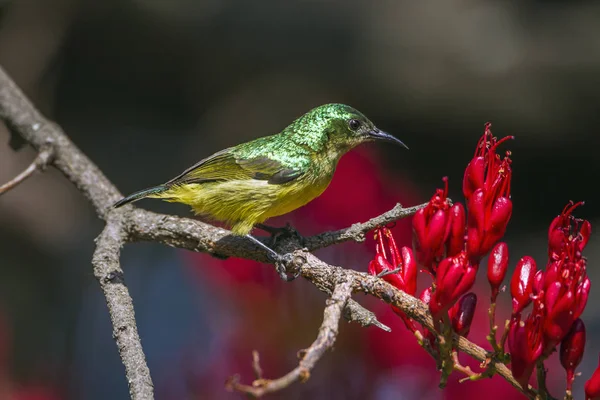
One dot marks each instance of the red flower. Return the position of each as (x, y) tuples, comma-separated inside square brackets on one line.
[(497, 265), (525, 341), (521, 284), (486, 187), (438, 230), (592, 386), (455, 276), (455, 242), (566, 283), (560, 303), (406, 278), (564, 229), (461, 314), (571, 350)]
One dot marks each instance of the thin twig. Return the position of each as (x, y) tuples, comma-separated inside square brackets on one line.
[(543, 393), (388, 272), (258, 372), (357, 232), (39, 164), (18, 112), (309, 357), (541, 380), (461, 368)]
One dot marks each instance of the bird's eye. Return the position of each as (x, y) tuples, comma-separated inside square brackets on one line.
[(354, 124)]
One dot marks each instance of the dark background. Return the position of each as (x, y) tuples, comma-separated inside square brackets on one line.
[(147, 87)]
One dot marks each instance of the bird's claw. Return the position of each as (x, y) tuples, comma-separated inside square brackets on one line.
[(282, 262), (279, 232)]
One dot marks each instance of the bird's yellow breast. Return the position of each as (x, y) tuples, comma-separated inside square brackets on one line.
[(245, 203)]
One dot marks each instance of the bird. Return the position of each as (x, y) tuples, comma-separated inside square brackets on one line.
[(247, 184)]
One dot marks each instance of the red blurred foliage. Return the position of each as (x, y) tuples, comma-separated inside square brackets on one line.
[(11, 390)]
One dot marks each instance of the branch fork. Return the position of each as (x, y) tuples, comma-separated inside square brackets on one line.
[(130, 224)]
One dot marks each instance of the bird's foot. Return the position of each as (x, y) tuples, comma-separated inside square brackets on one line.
[(280, 232), (282, 262)]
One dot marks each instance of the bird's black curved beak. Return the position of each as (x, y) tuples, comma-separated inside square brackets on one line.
[(377, 134)]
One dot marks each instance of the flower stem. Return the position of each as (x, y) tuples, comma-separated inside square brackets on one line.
[(445, 350), (493, 327), (542, 392)]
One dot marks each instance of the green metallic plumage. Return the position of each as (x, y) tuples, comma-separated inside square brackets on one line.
[(269, 176)]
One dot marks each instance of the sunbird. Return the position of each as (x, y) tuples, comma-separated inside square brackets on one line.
[(244, 185)]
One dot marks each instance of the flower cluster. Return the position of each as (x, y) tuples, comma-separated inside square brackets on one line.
[(449, 243), (486, 187), (559, 295)]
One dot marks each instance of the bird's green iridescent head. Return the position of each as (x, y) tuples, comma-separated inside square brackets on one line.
[(337, 127)]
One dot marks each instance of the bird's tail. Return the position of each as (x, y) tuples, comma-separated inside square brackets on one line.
[(140, 195)]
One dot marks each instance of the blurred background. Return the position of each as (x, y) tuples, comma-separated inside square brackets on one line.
[(148, 87)]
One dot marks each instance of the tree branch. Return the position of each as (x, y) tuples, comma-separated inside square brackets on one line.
[(357, 232), (198, 236), (18, 113), (309, 357), (22, 117), (130, 224), (39, 164), (109, 274)]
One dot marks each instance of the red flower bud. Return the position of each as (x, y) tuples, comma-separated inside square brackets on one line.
[(457, 223), (461, 314), (486, 223), (474, 176), (581, 297), (525, 342), (571, 350), (455, 276), (476, 223), (496, 223), (564, 229), (552, 273), (406, 278), (538, 282), (431, 229), (497, 265), (521, 284), (409, 270), (559, 302), (585, 232), (592, 386)]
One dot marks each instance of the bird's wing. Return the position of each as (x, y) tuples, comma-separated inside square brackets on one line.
[(226, 166)]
